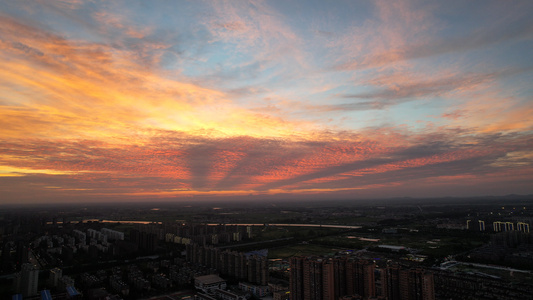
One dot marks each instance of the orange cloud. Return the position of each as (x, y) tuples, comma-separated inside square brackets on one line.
[(79, 86)]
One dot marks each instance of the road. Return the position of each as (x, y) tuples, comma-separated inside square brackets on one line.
[(295, 225)]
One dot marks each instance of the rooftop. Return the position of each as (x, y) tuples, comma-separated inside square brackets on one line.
[(208, 279)]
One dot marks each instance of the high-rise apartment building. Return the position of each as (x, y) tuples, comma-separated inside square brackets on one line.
[(55, 276), (251, 268), (407, 284), (331, 278), (360, 279), (390, 282), (314, 281), (296, 282), (26, 280), (258, 270), (475, 225)]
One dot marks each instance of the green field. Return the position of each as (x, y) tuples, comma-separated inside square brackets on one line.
[(495, 271), (301, 250)]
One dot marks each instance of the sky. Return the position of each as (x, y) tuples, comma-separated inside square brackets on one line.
[(189, 100)]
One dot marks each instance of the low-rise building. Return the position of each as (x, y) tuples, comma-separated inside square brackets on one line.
[(257, 290), (204, 297), (227, 295), (281, 295), (208, 283)]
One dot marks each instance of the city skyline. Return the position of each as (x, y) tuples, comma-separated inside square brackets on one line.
[(128, 101)]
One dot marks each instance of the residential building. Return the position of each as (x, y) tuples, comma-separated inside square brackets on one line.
[(208, 283)]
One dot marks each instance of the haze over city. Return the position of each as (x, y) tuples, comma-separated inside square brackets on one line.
[(170, 100)]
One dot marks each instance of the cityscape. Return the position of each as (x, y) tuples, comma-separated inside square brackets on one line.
[(379, 249), (266, 149)]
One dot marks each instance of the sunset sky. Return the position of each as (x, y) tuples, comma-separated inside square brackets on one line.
[(172, 100)]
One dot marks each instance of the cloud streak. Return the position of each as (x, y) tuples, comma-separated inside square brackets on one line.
[(521, 29)]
